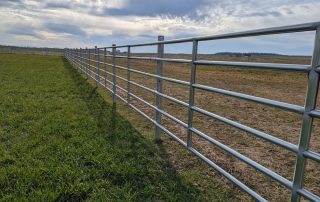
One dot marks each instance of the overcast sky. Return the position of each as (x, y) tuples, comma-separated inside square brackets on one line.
[(80, 23)]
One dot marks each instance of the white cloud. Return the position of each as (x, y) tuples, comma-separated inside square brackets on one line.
[(211, 17)]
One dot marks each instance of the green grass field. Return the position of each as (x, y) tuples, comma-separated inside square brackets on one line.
[(60, 141)]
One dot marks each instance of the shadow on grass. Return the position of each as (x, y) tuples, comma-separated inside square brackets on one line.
[(138, 169)]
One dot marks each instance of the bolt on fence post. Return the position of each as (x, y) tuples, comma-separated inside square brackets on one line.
[(191, 91), (128, 74), (97, 66), (159, 87), (105, 61), (114, 74), (306, 128)]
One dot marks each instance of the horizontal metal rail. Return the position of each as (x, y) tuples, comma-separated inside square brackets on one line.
[(155, 76), (91, 61), (162, 59), (308, 195), (247, 129), (315, 113), (312, 155), (269, 102), (228, 175), (274, 66), (245, 159)]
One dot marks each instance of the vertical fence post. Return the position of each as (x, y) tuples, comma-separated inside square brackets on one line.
[(71, 56), (128, 74), (306, 128), (89, 72), (87, 62), (81, 60), (78, 59), (114, 89), (97, 66), (105, 66), (74, 58), (159, 87), (191, 91)]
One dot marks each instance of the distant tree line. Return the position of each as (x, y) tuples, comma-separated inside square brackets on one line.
[(250, 54), (19, 49)]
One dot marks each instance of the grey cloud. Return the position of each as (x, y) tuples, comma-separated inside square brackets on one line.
[(21, 29), (65, 4), (11, 3), (123, 34), (155, 8), (151, 36), (119, 34), (65, 28), (266, 13)]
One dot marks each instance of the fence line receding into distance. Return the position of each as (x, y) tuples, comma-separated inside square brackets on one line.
[(83, 58)]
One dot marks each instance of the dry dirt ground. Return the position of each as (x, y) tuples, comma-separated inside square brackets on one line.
[(278, 85)]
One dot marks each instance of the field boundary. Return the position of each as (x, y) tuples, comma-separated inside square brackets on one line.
[(87, 59)]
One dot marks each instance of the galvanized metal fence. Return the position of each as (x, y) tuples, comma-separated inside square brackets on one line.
[(83, 59)]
